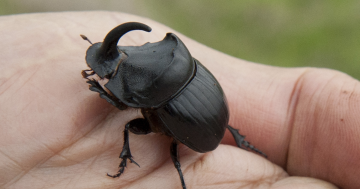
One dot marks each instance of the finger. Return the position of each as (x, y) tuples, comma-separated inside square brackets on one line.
[(225, 167), (302, 183), (325, 129), (304, 119)]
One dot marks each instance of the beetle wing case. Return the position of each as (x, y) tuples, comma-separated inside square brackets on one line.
[(198, 116), (152, 73)]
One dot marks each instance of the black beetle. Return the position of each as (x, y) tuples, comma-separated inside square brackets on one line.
[(177, 95)]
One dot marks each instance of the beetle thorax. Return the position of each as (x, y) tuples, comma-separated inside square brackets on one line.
[(152, 73)]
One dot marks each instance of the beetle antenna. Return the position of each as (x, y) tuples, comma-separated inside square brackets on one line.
[(85, 38), (109, 46)]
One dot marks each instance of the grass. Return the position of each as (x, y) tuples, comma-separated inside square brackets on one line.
[(279, 33), (323, 33)]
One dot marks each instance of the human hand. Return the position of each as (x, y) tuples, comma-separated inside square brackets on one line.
[(55, 133)]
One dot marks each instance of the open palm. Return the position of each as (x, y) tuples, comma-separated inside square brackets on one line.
[(55, 133)]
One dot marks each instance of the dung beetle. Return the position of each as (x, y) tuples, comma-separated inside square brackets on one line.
[(177, 95)]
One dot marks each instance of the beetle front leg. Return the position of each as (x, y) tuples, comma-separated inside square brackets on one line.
[(125, 153), (85, 73), (174, 156), (241, 142), (96, 87)]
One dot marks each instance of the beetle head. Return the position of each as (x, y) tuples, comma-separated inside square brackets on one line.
[(103, 57)]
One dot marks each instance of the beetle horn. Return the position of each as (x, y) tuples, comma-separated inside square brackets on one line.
[(108, 48)]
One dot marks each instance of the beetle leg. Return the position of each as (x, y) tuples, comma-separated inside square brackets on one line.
[(140, 126), (241, 142), (96, 87), (125, 153), (86, 75), (174, 156)]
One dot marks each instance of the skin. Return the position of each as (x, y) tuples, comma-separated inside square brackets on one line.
[(55, 133)]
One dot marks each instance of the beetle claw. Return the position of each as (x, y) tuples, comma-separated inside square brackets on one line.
[(113, 176), (121, 170), (134, 162), (122, 166), (86, 75)]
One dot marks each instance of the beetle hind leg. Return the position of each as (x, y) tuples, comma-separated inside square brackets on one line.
[(242, 143), (174, 156)]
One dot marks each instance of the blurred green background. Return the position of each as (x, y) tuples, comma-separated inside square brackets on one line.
[(321, 33)]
